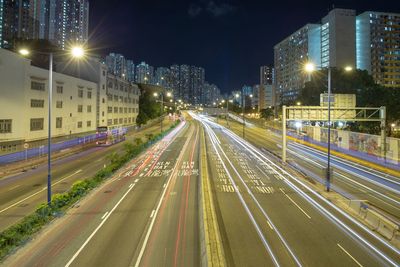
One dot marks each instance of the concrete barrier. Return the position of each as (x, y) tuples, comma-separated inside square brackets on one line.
[(373, 219), (387, 228), (212, 253)]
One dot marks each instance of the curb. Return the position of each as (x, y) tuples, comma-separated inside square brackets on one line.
[(212, 252)]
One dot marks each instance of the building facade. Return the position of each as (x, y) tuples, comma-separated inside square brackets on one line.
[(24, 101), (378, 46), (338, 35), (63, 22), (290, 56), (144, 73), (117, 65), (69, 22)]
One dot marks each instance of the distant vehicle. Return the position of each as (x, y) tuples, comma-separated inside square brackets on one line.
[(107, 137)]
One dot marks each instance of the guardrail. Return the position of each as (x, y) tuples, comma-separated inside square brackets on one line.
[(42, 150)]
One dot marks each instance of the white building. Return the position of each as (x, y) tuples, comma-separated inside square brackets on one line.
[(90, 97), (117, 98), (24, 102)]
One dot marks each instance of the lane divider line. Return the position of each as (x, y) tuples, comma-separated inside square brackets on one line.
[(345, 251), (38, 192)]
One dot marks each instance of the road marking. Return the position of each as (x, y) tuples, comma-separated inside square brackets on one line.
[(152, 213), (345, 251), (305, 213), (38, 192), (270, 226), (137, 180), (146, 239), (97, 229), (164, 185), (141, 174), (105, 214), (130, 185), (14, 187)]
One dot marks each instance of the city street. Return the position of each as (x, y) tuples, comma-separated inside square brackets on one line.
[(352, 180), (21, 193)]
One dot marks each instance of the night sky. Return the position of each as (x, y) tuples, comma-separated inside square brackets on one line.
[(230, 39)]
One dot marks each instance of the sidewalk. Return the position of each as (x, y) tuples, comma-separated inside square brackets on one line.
[(33, 163)]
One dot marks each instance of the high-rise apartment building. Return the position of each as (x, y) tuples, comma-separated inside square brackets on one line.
[(184, 83), (117, 65), (162, 77), (211, 94), (338, 32), (63, 22), (1, 22), (266, 74), (290, 55), (130, 70), (173, 80), (144, 73), (378, 46), (19, 20), (197, 77), (69, 22)]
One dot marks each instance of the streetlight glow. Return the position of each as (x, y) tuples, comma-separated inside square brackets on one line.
[(298, 103), (237, 95), (309, 67), (155, 94), (169, 94), (348, 68), (77, 52), (24, 51)]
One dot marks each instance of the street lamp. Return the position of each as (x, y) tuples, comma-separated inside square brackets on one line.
[(243, 109), (155, 94), (310, 67), (76, 52)]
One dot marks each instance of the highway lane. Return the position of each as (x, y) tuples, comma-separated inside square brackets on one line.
[(307, 233), (349, 179), (147, 208), (20, 194)]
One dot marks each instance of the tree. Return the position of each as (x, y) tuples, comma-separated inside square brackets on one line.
[(148, 108), (267, 113)]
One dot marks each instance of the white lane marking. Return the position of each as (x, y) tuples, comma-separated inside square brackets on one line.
[(355, 182), (328, 214), (270, 226), (97, 229), (130, 185), (137, 180), (141, 174), (146, 239), (105, 214), (211, 134), (345, 251), (152, 213), (164, 185), (14, 187), (38, 192), (305, 213)]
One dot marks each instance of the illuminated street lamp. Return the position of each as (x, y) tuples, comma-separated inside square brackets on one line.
[(76, 52), (155, 94), (310, 67)]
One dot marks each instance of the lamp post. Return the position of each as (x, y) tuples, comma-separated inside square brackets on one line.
[(162, 107), (309, 67), (76, 52), (243, 110)]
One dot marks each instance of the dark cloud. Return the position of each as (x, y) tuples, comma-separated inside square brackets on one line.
[(218, 10), (194, 10), (212, 8)]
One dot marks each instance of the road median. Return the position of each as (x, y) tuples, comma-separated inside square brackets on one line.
[(212, 252)]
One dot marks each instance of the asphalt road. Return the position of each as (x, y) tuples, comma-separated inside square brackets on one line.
[(267, 217), (20, 194), (146, 215), (351, 180)]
